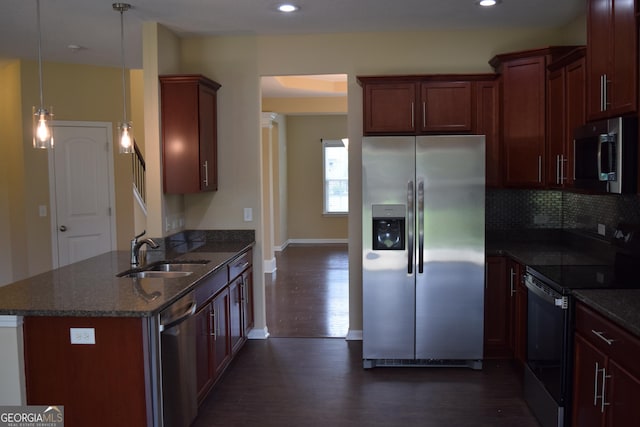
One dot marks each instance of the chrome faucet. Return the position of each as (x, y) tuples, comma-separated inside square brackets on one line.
[(136, 245)]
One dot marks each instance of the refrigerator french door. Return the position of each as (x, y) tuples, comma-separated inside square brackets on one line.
[(423, 250)]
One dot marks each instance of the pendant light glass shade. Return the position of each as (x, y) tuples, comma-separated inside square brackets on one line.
[(42, 133), (125, 128), (125, 136)]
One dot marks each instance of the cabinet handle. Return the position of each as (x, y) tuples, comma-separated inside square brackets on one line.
[(602, 337), (412, 115), (603, 401), (595, 386), (539, 168), (563, 160), (605, 83), (212, 324), (206, 173), (511, 274), (557, 169), (424, 114)]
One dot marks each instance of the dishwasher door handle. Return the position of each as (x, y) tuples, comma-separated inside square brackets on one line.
[(190, 311)]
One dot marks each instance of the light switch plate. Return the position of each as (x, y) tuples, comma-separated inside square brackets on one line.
[(248, 214), (82, 335)]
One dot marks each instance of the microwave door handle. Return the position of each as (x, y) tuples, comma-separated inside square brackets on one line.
[(410, 227), (600, 159)]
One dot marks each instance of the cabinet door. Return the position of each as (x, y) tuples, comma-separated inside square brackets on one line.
[(518, 293), (612, 41), (221, 344), (487, 122), (204, 350), (598, 42), (208, 139), (575, 96), (623, 89), (622, 391), (556, 108), (247, 300), (389, 108), (235, 314), (496, 310), (181, 152), (587, 384), (445, 107), (524, 82)]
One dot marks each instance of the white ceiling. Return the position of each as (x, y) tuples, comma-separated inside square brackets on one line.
[(95, 26)]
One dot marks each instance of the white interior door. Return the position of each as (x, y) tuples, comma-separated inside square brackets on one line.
[(82, 199)]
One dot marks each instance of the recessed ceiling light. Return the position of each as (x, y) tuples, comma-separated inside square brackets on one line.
[(288, 8), (487, 3)]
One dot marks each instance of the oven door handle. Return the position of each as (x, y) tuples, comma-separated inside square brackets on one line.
[(560, 302)]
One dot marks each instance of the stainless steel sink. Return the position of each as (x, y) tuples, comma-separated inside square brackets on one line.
[(164, 269), (155, 274), (172, 266)]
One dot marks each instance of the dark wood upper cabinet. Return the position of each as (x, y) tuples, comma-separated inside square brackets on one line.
[(566, 110), (524, 81), (389, 107), (445, 106), (419, 104), (612, 58), (188, 111), (487, 123)]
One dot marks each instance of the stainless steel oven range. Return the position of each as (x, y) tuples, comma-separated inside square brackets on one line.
[(550, 322)]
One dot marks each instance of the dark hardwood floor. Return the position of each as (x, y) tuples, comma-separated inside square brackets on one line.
[(318, 380), (308, 295)]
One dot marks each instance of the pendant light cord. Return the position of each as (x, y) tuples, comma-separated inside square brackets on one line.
[(39, 53), (124, 95)]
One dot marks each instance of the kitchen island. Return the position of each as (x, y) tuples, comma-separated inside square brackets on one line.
[(92, 339)]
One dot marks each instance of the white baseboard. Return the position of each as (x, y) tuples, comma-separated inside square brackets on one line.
[(354, 335), (269, 265), (258, 334)]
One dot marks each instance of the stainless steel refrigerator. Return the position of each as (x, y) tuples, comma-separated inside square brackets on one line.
[(423, 250)]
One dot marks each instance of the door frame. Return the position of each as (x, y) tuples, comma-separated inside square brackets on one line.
[(108, 127)]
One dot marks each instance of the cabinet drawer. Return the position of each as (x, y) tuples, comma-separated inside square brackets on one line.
[(210, 285), (612, 339), (240, 264)]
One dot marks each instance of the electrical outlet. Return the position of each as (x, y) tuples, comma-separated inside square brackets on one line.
[(82, 335), (602, 229)]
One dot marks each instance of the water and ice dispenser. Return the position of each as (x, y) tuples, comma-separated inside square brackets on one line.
[(388, 227)]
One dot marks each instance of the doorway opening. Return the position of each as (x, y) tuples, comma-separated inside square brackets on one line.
[(305, 249)]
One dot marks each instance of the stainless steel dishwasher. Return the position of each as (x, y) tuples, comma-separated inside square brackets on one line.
[(178, 359)]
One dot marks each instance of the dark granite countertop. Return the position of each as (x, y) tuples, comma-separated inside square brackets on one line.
[(619, 305), (91, 288)]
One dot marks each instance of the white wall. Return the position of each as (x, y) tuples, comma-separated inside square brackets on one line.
[(12, 382)]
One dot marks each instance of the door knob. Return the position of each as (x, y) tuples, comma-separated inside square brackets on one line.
[(63, 228)]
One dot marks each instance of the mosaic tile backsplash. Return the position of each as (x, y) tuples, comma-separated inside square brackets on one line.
[(508, 210)]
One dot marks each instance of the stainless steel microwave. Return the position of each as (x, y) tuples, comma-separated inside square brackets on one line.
[(605, 156)]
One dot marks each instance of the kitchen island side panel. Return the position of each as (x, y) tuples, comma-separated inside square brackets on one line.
[(101, 384)]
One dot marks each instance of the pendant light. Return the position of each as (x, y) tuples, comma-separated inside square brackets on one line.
[(42, 134), (125, 128)]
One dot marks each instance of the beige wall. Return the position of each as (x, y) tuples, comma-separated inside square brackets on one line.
[(238, 62), (304, 184), (13, 248), (77, 93)]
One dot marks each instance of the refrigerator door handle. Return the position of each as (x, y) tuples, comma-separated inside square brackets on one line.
[(410, 226), (420, 226)]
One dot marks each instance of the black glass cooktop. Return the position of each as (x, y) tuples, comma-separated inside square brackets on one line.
[(566, 277)]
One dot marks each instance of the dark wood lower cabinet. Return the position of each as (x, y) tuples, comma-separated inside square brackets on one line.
[(81, 377), (497, 310), (606, 373), (212, 341)]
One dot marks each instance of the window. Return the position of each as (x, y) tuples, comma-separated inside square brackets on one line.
[(335, 161)]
